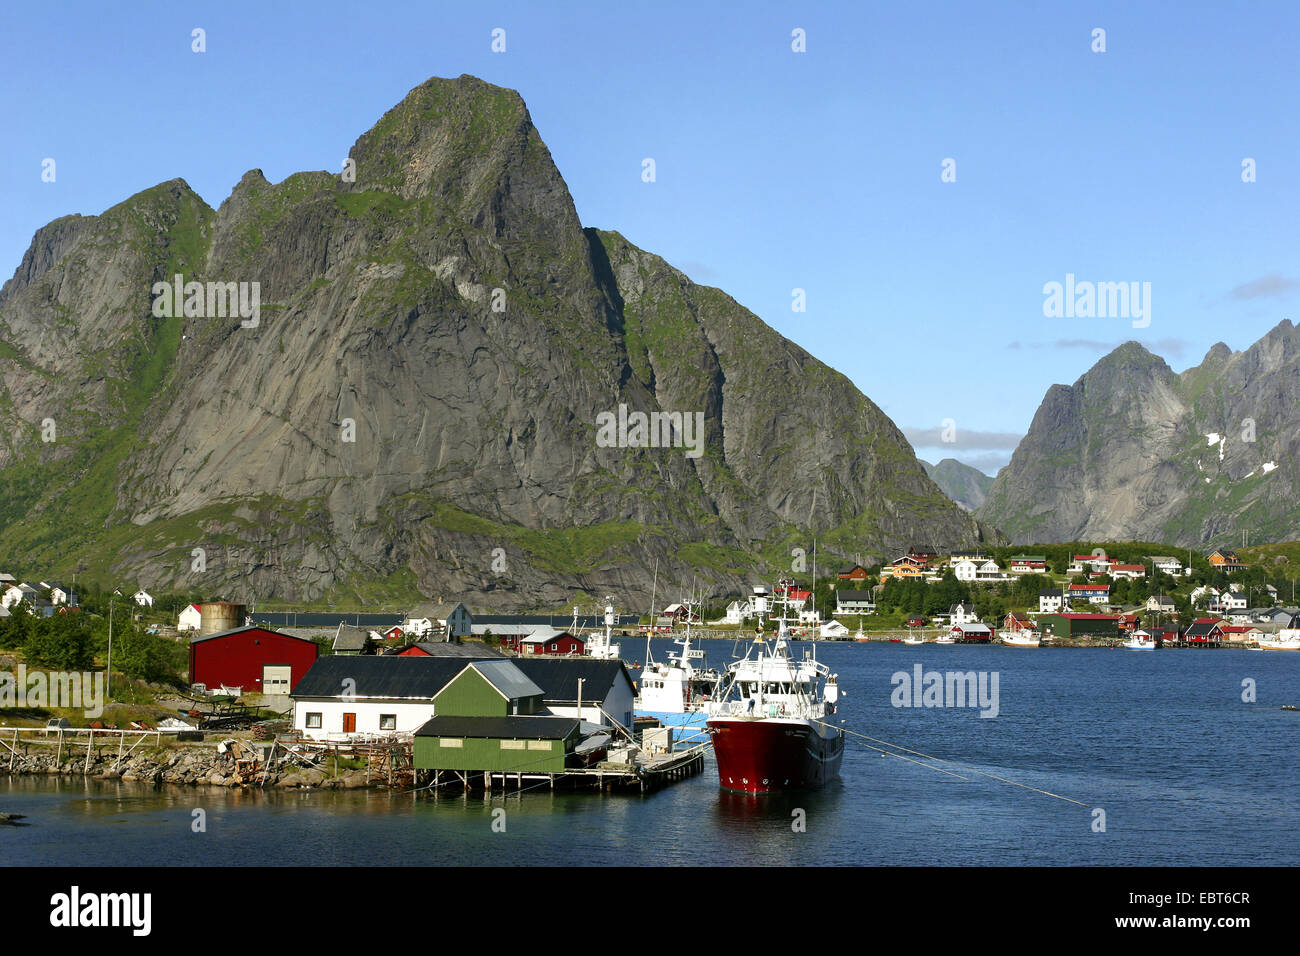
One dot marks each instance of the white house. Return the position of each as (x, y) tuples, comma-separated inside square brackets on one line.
[(190, 618), (449, 620), (1051, 601), (1235, 601), (962, 614), (19, 592), (143, 598), (1166, 564), (854, 602), (965, 569), (606, 688), (1205, 590), (346, 696), (738, 611)]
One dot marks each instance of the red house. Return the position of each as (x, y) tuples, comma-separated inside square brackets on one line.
[(545, 640), (259, 660), (394, 633), (855, 573)]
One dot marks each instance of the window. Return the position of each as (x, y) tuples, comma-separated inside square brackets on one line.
[(387, 721), (552, 645), (313, 722), (512, 745), (453, 742), (539, 745)]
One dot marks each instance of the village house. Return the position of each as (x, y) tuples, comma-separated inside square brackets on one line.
[(1051, 601), (1161, 603), (1017, 621), (986, 570), (352, 640), (963, 613), (972, 632), (190, 618), (1027, 564), (854, 602), (446, 621), (142, 598), (546, 640), (1241, 633), (1234, 601), (1130, 571), (1096, 593), (15, 593), (1205, 630), (1166, 564), (856, 573), (60, 595), (341, 697), (604, 688), (1225, 560)]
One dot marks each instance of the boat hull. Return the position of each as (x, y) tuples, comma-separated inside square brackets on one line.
[(767, 755)]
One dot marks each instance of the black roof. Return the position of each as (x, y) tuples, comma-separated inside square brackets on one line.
[(516, 728), (394, 678), (1051, 592), (854, 596), (558, 676)]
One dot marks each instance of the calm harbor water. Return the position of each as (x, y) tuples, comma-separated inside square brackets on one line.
[(1186, 772)]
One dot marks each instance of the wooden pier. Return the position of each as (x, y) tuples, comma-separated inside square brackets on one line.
[(658, 772)]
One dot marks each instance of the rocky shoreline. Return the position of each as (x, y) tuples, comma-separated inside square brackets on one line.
[(185, 767)]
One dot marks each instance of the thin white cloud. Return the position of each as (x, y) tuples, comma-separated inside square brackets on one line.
[(961, 438), (1264, 287)]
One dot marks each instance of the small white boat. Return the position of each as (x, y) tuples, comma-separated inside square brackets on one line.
[(1140, 641), (1020, 639), (945, 639), (913, 637)]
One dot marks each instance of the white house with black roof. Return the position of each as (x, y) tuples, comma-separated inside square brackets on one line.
[(342, 697), (607, 690)]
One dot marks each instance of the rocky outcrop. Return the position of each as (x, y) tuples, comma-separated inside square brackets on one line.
[(1133, 451), (414, 410)]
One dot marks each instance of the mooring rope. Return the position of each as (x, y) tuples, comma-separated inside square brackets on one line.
[(993, 776)]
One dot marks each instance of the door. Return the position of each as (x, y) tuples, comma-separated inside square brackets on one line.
[(349, 723), (276, 678)]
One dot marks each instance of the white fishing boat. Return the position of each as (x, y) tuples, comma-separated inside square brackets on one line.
[(1287, 639), (770, 725), (677, 692), (915, 636), (1139, 641), (1023, 638), (945, 638)]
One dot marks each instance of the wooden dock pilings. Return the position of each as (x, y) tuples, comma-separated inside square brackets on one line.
[(659, 772)]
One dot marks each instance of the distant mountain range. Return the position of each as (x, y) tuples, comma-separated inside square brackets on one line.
[(390, 382), (1134, 450), (966, 486)]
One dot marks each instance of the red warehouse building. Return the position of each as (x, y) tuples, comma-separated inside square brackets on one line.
[(259, 660)]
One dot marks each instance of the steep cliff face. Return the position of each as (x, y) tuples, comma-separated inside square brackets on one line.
[(1134, 451), (415, 407)]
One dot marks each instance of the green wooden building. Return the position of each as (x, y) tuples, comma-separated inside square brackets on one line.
[(1079, 625), (491, 717), (529, 744)]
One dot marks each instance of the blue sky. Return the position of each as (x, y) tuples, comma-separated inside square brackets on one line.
[(776, 170)]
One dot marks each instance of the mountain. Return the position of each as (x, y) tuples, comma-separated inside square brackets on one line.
[(415, 399), (1134, 450), (965, 485)]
